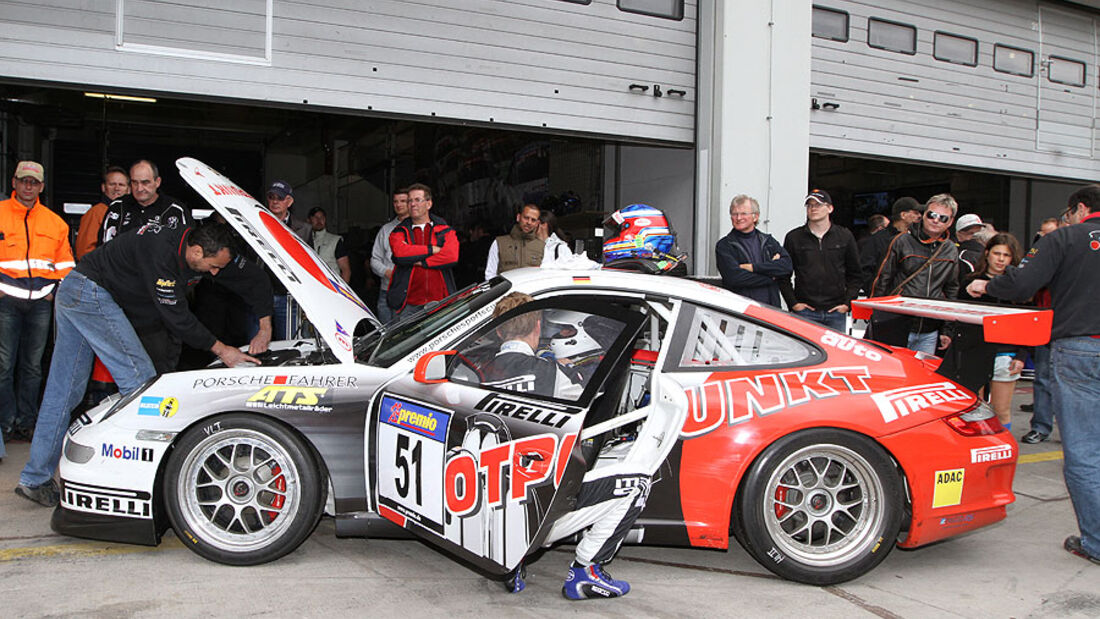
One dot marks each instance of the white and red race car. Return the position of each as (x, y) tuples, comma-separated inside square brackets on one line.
[(817, 452)]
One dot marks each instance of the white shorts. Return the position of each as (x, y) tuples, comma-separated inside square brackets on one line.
[(1000, 368)]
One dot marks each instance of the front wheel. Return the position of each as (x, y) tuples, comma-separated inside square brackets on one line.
[(821, 506), (242, 490)]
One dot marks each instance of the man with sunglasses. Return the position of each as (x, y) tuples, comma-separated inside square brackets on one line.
[(922, 262), (34, 256)]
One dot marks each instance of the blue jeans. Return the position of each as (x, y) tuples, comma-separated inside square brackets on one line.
[(88, 320), (24, 328), (834, 320), (1042, 419), (923, 342), (1075, 387), (385, 314)]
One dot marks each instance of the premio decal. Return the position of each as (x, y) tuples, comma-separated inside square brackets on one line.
[(949, 488)]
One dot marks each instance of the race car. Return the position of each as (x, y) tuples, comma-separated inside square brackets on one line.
[(817, 452)]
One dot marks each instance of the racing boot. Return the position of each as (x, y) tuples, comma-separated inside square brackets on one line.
[(593, 581)]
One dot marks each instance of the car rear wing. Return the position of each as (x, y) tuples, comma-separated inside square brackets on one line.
[(1000, 324)]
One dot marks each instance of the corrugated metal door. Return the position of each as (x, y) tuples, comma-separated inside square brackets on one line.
[(1066, 90)]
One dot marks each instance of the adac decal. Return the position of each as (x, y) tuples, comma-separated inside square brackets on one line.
[(153, 406), (949, 488), (902, 401), (342, 336), (294, 246), (736, 400), (509, 470), (259, 380), (990, 454), (415, 418), (847, 344), (517, 408), (291, 398), (126, 452), (103, 500)]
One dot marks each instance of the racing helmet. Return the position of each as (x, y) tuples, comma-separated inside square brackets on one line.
[(568, 337), (637, 231)]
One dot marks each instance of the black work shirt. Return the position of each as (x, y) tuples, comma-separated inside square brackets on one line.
[(826, 270), (1067, 261), (146, 272)]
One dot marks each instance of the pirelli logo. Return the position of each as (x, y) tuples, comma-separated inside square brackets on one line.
[(990, 454), (901, 402)]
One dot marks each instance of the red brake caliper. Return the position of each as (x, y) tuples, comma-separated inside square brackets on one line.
[(279, 499), (780, 498)]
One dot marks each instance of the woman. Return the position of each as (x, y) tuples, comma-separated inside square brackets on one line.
[(976, 362), (555, 248)]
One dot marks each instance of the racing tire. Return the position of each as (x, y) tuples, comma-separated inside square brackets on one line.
[(242, 490), (820, 507)]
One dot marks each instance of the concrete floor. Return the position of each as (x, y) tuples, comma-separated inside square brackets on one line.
[(1015, 568)]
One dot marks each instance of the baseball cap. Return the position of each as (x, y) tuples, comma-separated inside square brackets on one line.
[(906, 204), (281, 189), (967, 221), (32, 169), (820, 196)]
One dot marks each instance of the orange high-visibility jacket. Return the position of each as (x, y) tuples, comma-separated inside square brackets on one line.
[(34, 250)]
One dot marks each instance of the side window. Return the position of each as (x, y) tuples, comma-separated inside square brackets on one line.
[(830, 24), (714, 340), (955, 49), (891, 36), (1066, 71), (541, 352), (1014, 60)]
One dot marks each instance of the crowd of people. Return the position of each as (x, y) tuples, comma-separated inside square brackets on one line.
[(139, 255)]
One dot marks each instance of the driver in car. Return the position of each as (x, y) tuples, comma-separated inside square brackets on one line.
[(606, 505)]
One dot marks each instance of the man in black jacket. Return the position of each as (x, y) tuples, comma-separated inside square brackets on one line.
[(143, 274), (144, 204), (922, 262), (905, 212), (827, 274), (1067, 261), (750, 261)]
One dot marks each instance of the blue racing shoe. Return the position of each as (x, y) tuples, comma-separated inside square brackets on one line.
[(517, 580), (585, 583)]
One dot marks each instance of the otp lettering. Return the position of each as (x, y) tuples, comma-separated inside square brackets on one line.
[(736, 400), (509, 468)]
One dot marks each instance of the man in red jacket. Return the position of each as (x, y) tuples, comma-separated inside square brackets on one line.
[(425, 250)]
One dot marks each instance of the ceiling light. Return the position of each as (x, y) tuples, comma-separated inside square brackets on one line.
[(101, 95)]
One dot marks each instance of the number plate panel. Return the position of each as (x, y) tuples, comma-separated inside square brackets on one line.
[(412, 437)]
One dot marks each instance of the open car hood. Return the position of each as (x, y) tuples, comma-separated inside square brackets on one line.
[(331, 306)]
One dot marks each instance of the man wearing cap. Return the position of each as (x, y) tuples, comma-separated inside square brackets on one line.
[(329, 246), (144, 205), (1067, 262), (751, 262), (970, 247), (827, 274), (34, 256), (280, 197), (905, 212)]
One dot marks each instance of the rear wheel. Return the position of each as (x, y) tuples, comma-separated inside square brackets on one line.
[(821, 506), (242, 490)]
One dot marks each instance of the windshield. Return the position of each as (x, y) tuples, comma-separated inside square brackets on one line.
[(394, 342)]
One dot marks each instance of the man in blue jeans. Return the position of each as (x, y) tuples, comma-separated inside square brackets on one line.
[(139, 272), (827, 274), (1067, 261)]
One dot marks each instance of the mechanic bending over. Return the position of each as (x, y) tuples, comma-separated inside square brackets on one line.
[(607, 504), (139, 273)]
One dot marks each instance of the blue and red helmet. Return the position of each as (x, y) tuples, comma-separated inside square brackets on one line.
[(639, 231)]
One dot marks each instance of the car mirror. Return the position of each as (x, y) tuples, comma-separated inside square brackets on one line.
[(432, 367)]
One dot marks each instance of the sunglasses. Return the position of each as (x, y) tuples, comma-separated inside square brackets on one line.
[(940, 217)]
